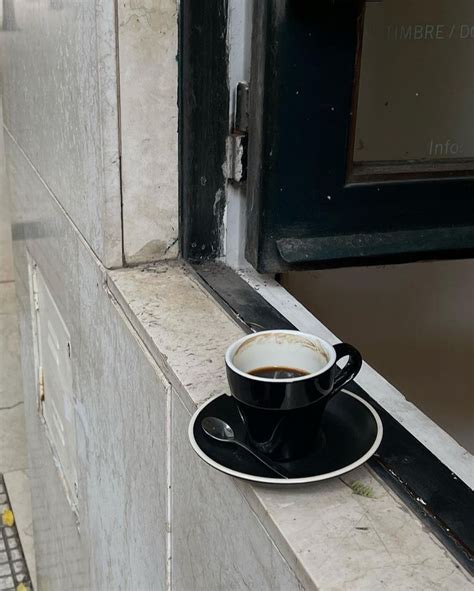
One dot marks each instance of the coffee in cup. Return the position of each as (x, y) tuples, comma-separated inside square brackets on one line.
[(282, 381)]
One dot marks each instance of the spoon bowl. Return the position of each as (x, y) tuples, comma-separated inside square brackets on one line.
[(218, 429), (221, 431)]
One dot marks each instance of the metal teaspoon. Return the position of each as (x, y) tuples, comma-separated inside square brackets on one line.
[(221, 431)]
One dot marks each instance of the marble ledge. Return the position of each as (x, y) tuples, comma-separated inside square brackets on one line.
[(330, 537), (180, 323), (19, 491)]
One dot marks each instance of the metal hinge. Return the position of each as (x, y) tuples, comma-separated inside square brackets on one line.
[(237, 140)]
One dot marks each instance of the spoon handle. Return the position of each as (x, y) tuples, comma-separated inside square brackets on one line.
[(264, 461)]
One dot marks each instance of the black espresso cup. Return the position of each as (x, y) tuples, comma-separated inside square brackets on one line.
[(282, 381)]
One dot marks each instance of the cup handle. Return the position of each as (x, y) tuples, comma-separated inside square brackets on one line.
[(352, 367)]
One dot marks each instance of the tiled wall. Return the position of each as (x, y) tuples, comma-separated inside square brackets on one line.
[(60, 107), (62, 131), (120, 414), (91, 99)]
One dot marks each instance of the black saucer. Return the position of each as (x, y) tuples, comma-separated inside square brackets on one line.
[(351, 431)]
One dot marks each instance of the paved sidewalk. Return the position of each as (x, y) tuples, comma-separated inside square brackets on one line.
[(14, 574)]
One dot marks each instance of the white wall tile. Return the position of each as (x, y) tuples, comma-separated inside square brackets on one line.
[(60, 106), (148, 48)]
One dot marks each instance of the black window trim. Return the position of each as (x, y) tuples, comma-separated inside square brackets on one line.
[(300, 130)]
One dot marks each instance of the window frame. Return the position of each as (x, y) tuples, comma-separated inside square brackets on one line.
[(300, 136)]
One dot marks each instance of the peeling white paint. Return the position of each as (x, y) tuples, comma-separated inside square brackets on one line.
[(220, 195), (238, 41)]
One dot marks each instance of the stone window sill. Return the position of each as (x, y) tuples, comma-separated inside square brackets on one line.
[(329, 536)]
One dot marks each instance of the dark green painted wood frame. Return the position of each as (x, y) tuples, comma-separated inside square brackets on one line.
[(302, 213), (203, 126)]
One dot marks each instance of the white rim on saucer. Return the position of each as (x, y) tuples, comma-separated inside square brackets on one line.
[(305, 480)]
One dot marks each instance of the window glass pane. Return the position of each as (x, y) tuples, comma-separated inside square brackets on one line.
[(415, 99)]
